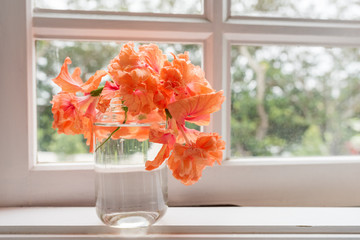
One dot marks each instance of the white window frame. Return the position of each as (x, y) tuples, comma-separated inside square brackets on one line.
[(324, 181)]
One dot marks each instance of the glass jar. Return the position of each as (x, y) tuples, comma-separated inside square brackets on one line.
[(127, 195)]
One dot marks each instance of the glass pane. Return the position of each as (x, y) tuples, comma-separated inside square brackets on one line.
[(295, 101), (89, 56), (140, 6), (319, 9)]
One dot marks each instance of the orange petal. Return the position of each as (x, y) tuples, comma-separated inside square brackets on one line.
[(109, 92), (213, 145), (155, 116), (93, 82), (195, 88), (153, 56), (161, 135), (65, 81), (196, 109), (129, 58), (159, 159), (137, 101), (76, 76), (88, 132)]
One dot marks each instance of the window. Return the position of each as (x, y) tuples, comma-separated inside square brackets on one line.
[(227, 42), (131, 6), (307, 9), (289, 101)]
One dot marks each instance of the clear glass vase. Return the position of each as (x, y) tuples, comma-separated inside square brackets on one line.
[(127, 195)]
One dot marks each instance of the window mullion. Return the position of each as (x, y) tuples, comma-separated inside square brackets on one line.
[(216, 59)]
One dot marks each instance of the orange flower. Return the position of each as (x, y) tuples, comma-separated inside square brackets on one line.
[(81, 110), (136, 75), (183, 78), (188, 161), (74, 115), (145, 88), (196, 109), (136, 89), (127, 60), (67, 116), (149, 57)]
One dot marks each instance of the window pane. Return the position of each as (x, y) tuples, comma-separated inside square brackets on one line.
[(141, 6), (295, 101), (89, 56), (320, 9)]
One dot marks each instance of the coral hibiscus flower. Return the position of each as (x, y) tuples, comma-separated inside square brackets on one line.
[(136, 89), (66, 112), (183, 78), (144, 88), (188, 161), (75, 114)]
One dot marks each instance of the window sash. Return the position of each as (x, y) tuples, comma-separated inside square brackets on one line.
[(279, 182), (119, 13)]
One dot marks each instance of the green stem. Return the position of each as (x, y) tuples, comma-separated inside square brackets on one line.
[(107, 138), (117, 129)]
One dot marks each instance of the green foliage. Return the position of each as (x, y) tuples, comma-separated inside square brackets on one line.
[(67, 144), (312, 143), (306, 107)]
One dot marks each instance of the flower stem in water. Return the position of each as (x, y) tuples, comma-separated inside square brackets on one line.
[(126, 110)]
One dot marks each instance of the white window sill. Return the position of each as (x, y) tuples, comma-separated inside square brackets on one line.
[(187, 223)]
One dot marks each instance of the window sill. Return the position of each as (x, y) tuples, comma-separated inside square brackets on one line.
[(188, 222)]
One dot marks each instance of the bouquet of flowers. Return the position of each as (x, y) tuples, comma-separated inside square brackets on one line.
[(150, 89)]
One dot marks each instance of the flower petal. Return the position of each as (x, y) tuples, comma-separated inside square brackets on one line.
[(109, 92), (65, 81), (159, 159), (161, 135), (196, 109), (93, 82), (76, 76), (153, 56)]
